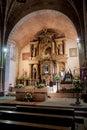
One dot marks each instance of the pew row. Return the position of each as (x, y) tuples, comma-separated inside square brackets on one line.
[(48, 119), (46, 110), (52, 110), (3, 107), (8, 124)]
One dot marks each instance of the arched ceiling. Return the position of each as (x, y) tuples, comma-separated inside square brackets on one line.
[(25, 30)]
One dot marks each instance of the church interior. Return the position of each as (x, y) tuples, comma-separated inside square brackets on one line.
[(43, 43)]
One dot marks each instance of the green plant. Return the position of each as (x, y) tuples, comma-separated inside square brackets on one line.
[(19, 85), (40, 85), (25, 77), (77, 84), (28, 97), (57, 77)]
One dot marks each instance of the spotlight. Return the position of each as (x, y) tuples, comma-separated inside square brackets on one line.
[(5, 50), (78, 39)]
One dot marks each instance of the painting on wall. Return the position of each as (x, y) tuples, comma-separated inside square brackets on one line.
[(25, 56), (73, 52)]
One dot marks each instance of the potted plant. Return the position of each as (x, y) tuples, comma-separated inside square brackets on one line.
[(77, 87), (57, 78), (77, 84)]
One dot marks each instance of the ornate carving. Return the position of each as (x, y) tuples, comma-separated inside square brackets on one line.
[(51, 53)]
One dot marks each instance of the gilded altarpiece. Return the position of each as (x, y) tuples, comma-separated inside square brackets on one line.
[(47, 55)]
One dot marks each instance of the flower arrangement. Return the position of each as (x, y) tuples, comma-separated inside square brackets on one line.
[(28, 97), (19, 85), (57, 77), (40, 85)]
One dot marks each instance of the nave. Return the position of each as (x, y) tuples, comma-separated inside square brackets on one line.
[(9, 103)]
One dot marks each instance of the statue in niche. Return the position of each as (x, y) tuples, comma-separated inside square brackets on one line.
[(34, 49), (60, 48), (48, 51)]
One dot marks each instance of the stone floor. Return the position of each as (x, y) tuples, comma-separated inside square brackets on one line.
[(51, 100)]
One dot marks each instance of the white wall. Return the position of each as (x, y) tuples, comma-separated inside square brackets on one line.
[(24, 64), (72, 62)]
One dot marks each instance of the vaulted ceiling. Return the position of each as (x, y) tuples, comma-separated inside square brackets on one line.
[(27, 28), (22, 20)]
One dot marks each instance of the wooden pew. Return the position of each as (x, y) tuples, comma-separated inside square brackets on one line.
[(51, 110), (2, 107), (49, 119), (80, 115), (46, 110), (8, 124)]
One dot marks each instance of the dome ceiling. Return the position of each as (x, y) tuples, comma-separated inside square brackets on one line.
[(26, 29)]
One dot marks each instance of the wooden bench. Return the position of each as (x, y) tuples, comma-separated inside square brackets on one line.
[(79, 116), (51, 110), (2, 107), (46, 110), (17, 124), (79, 120), (49, 119), (81, 113), (7, 104)]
